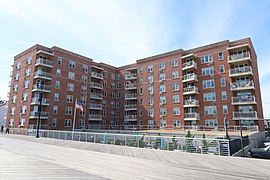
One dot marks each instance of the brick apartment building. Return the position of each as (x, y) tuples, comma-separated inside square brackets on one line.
[(181, 88)]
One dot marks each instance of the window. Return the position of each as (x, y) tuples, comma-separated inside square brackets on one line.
[(176, 98), (112, 94), (56, 96), (55, 109), (207, 71), (141, 112), (150, 100), (72, 64), (82, 123), (105, 83), (25, 96), (150, 68), (67, 122), (208, 110), (150, 123), (222, 82), (11, 122), (17, 76), (69, 99), (207, 59), (208, 84), (162, 65), (118, 85), (141, 91), (162, 111), (85, 68), (68, 111), (59, 60), (141, 80), (220, 56), (58, 72), (26, 84), (23, 109), (113, 85), (176, 123), (221, 69), (162, 77), (18, 65), (12, 110), (83, 89), (112, 104), (225, 109), (175, 75), (162, 88), (15, 87), (14, 99), (22, 122), (117, 104), (150, 79), (224, 95), (71, 75), (175, 86), (112, 76), (209, 96), (54, 121), (141, 101), (105, 73), (118, 76), (103, 113), (150, 112), (118, 95), (211, 123), (174, 63), (70, 87), (27, 72), (150, 90), (104, 103), (104, 93), (163, 123), (57, 84), (141, 70), (176, 111), (162, 99), (29, 60), (84, 78)]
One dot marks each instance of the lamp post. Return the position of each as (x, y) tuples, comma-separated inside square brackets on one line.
[(241, 137), (39, 111), (226, 127)]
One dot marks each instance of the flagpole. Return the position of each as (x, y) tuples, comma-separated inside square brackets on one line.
[(74, 117)]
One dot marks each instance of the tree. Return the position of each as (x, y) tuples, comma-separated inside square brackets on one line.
[(189, 142), (205, 145)]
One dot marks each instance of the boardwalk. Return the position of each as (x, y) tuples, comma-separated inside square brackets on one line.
[(25, 157)]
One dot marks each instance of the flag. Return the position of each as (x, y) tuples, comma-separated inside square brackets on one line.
[(78, 105)]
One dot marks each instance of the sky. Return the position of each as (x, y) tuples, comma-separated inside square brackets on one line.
[(119, 32)]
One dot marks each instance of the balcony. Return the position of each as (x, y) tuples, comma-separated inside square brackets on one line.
[(95, 106), (191, 116), (252, 115), (42, 75), (242, 85), (189, 65), (241, 71), (243, 100), (190, 90), (130, 76), (43, 115), (44, 62), (95, 96), (130, 96), (9, 84), (35, 101), (130, 86), (130, 107), (96, 85), (191, 103), (95, 117), (42, 88), (130, 118), (96, 75), (236, 58), (190, 77)]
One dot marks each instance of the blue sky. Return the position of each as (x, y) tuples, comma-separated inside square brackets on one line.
[(119, 32)]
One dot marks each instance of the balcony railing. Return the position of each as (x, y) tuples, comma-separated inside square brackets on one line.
[(191, 103), (243, 100), (130, 76), (35, 100), (97, 75), (96, 117), (242, 85), (35, 114), (95, 106), (44, 62), (130, 96), (252, 115), (130, 86), (42, 74), (95, 96), (239, 57), (130, 117), (42, 88), (240, 71), (190, 90), (130, 106), (192, 116), (96, 85), (188, 65), (190, 77)]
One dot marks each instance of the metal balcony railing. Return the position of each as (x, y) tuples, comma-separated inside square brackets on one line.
[(97, 75), (242, 85), (245, 115), (191, 102), (95, 106), (192, 116), (238, 57), (35, 100), (96, 95), (127, 96), (190, 90), (35, 114), (43, 74), (44, 62), (190, 64), (96, 85), (244, 100), (190, 77), (241, 70)]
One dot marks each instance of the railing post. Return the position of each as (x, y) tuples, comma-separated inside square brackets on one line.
[(94, 138), (86, 137), (65, 135), (125, 140), (219, 149), (114, 139)]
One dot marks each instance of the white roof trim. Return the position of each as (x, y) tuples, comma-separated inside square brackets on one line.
[(188, 55), (133, 68), (98, 67), (239, 46), (45, 52)]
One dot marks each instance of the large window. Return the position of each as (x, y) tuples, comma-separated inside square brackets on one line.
[(162, 88), (150, 79), (222, 82), (207, 59), (174, 63), (162, 77), (68, 111), (150, 100), (162, 111), (56, 96), (67, 122), (176, 123), (175, 75), (211, 123), (175, 86), (162, 65), (221, 69), (209, 96), (176, 111), (208, 84), (70, 87), (225, 109), (69, 98), (210, 110), (162, 99), (150, 68), (207, 71), (220, 56), (176, 98), (150, 112), (150, 90), (57, 84), (72, 64), (71, 75), (85, 68), (224, 95)]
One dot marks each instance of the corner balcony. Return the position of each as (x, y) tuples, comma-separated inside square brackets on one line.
[(252, 115), (35, 101), (241, 71), (44, 62), (95, 96), (96, 85), (130, 96), (191, 103), (130, 118), (95, 106), (42, 75), (190, 77), (243, 100), (96, 75), (236, 58), (43, 115), (95, 117), (244, 85), (191, 116), (190, 90), (130, 86), (130, 76), (131, 107), (189, 65), (42, 88)]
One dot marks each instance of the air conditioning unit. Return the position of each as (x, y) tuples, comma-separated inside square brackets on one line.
[(152, 116), (160, 104), (161, 116), (160, 81), (151, 105), (151, 93), (160, 92)]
